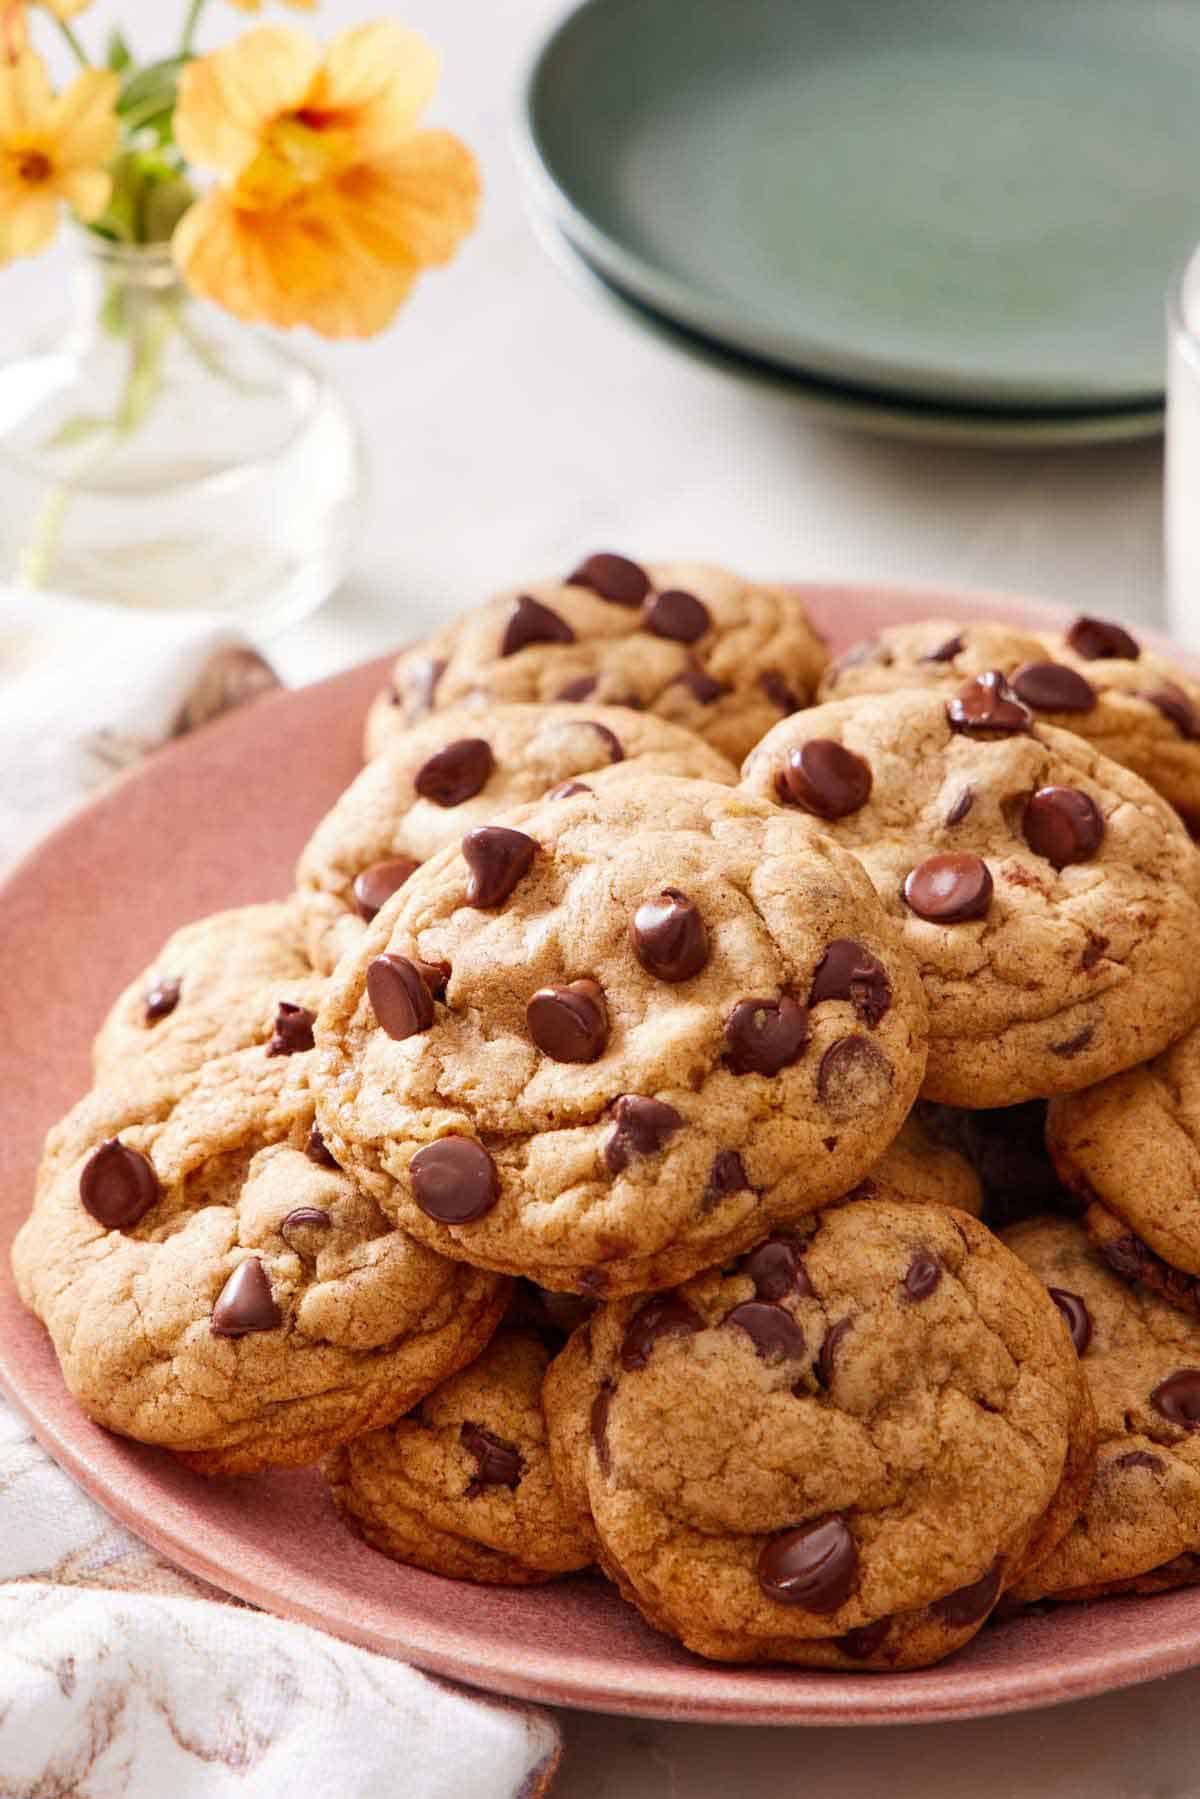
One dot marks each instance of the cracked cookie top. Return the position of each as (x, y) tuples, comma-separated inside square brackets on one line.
[(1049, 897), (456, 769), (694, 644), (839, 1449), (620, 1035), (215, 1284)]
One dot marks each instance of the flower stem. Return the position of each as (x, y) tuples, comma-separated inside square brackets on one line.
[(189, 26), (77, 50)]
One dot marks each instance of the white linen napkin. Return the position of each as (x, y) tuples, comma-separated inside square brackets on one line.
[(121, 1677)]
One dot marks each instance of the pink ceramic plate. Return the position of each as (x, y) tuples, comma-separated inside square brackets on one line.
[(217, 820)]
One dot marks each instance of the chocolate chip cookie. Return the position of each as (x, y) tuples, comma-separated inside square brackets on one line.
[(1049, 897), (1129, 1149), (839, 1450), (1094, 679), (620, 1036), (918, 1166), (697, 645), (463, 1485), (215, 986), (1139, 1528), (453, 771), (215, 1284)]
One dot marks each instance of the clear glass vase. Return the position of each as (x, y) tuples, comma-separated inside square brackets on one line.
[(162, 455)]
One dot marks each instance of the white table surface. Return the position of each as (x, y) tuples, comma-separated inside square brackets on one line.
[(513, 425)]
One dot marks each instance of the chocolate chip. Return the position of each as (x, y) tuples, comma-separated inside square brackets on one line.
[(454, 1180), (1093, 949), (764, 1035), (1053, 687), (946, 652), (531, 622), (774, 1333), (854, 1076), (848, 971), (861, 1644), (779, 692), (829, 1349), (1071, 1046), (497, 1463), (118, 1185), (813, 1567), (702, 687), (293, 1032), (376, 885), (1178, 1398), (666, 1315), (987, 706), (1063, 825), (669, 936), (245, 1303), (567, 790), (777, 1268), (399, 996), (923, 1276), (950, 888), (599, 1427), (1098, 639), (456, 773), (497, 858), (824, 778), (161, 999), (642, 1127), (423, 683), (961, 806), (316, 1150), (1126, 1255), (313, 1216), (967, 1605), (436, 976), (613, 578), (1078, 1318), (677, 615), (1138, 1458), (569, 1024), (581, 688), (1175, 705), (612, 742), (727, 1175)]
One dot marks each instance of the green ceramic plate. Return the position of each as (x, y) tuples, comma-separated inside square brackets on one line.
[(857, 409), (972, 201)]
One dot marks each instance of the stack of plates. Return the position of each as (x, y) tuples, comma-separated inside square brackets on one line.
[(949, 218)]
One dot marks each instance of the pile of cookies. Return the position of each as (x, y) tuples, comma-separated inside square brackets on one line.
[(703, 1112)]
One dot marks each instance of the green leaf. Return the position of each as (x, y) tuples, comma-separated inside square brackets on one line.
[(119, 56), (147, 98)]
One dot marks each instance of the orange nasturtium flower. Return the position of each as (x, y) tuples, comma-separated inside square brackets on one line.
[(53, 148), (331, 200)]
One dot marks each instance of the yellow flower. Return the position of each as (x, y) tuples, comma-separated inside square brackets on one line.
[(332, 201), (65, 9), (52, 150)]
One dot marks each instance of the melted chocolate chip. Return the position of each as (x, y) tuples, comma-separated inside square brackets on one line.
[(848, 971), (946, 652), (642, 1127), (986, 706), (436, 976), (497, 1463), (316, 1151), (456, 773), (813, 1567), (1098, 639), (923, 1276), (1053, 687), (612, 742), (763, 1036), (949, 889), (1076, 1315), (824, 778), (531, 622), (599, 1427), (727, 1175), (861, 1644), (1178, 1398), (669, 936), (777, 1268), (961, 806), (454, 1180), (1063, 825), (613, 578), (569, 1024), (313, 1216), (1093, 949), (854, 1076), (677, 615), (829, 1349), (1071, 1046), (1175, 705), (1138, 1458), (967, 1605), (567, 790), (399, 996), (374, 887), (702, 687), (666, 1315), (246, 1303), (581, 688), (774, 1333), (118, 1185), (1127, 1256), (293, 1032), (497, 858), (161, 1000), (779, 692)]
